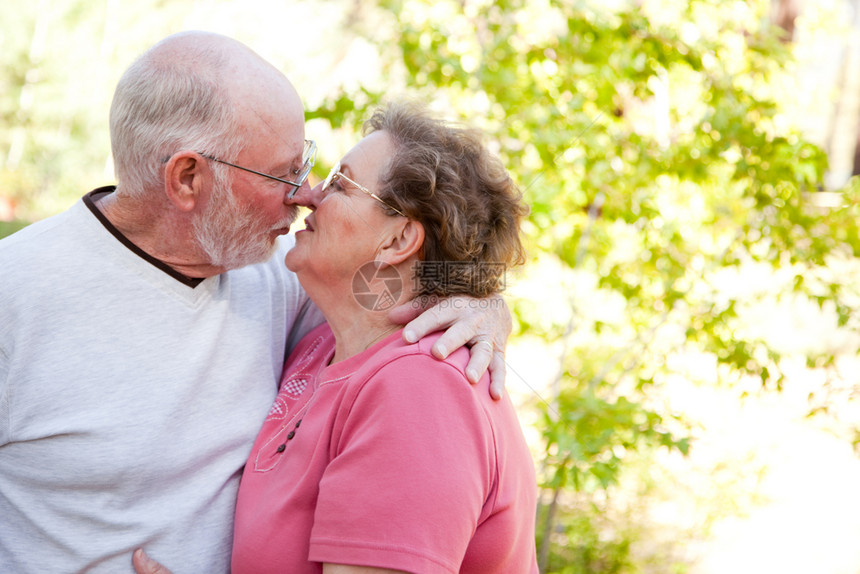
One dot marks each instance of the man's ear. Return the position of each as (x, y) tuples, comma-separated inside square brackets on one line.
[(186, 174), (407, 241)]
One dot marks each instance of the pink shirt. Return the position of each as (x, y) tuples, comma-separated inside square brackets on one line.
[(388, 459)]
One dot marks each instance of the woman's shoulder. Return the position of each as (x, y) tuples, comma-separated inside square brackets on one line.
[(412, 373), (418, 357)]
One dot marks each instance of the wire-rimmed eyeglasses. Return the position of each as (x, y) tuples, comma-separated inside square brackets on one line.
[(308, 156), (335, 174)]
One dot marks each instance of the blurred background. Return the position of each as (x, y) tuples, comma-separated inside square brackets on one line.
[(685, 354)]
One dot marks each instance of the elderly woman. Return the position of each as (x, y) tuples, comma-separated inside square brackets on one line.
[(376, 456)]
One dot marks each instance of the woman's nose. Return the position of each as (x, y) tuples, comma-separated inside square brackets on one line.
[(307, 196)]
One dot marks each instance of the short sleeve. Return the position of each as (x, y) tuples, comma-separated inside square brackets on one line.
[(410, 471)]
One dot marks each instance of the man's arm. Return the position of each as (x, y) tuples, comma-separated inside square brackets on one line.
[(481, 323)]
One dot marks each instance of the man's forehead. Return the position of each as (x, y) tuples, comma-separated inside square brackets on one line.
[(281, 123), (283, 138)]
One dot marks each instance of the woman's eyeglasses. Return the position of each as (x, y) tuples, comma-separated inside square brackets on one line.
[(336, 174)]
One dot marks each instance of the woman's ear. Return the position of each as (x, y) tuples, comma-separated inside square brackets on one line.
[(185, 177), (408, 241)]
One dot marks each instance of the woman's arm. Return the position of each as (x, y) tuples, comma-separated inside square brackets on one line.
[(346, 569), (411, 470)]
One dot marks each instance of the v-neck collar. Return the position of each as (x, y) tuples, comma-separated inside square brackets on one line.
[(89, 201)]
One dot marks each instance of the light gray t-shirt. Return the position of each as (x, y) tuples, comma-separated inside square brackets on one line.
[(129, 399)]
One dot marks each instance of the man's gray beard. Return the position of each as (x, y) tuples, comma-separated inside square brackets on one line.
[(229, 234)]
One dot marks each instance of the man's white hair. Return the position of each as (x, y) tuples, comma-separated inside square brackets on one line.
[(173, 98)]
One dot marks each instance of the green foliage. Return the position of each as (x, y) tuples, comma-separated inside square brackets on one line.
[(46, 109), (650, 141), (650, 148), (586, 436), (584, 547), (61, 61), (10, 227)]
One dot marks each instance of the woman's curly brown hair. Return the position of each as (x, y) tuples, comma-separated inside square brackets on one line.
[(444, 177)]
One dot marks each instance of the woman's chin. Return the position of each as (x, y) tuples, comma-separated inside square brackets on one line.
[(294, 259)]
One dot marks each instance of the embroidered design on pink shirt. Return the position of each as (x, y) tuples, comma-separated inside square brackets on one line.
[(293, 387)]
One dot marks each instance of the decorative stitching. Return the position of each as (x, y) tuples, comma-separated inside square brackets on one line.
[(292, 388)]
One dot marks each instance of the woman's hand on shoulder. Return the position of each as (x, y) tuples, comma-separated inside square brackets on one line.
[(481, 323)]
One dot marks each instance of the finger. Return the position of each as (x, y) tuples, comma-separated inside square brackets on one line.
[(420, 315), (498, 372), (143, 564), (437, 318), (481, 353), (455, 336)]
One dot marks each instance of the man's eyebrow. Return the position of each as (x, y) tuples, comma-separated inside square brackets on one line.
[(298, 161), (286, 167), (290, 165)]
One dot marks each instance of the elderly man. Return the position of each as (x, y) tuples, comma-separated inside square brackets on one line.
[(142, 332)]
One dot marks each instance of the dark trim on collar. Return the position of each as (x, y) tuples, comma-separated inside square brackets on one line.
[(91, 205)]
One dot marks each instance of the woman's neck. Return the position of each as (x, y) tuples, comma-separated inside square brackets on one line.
[(353, 343), (355, 328)]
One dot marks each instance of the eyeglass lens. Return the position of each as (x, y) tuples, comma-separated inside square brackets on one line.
[(308, 156), (331, 175)]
